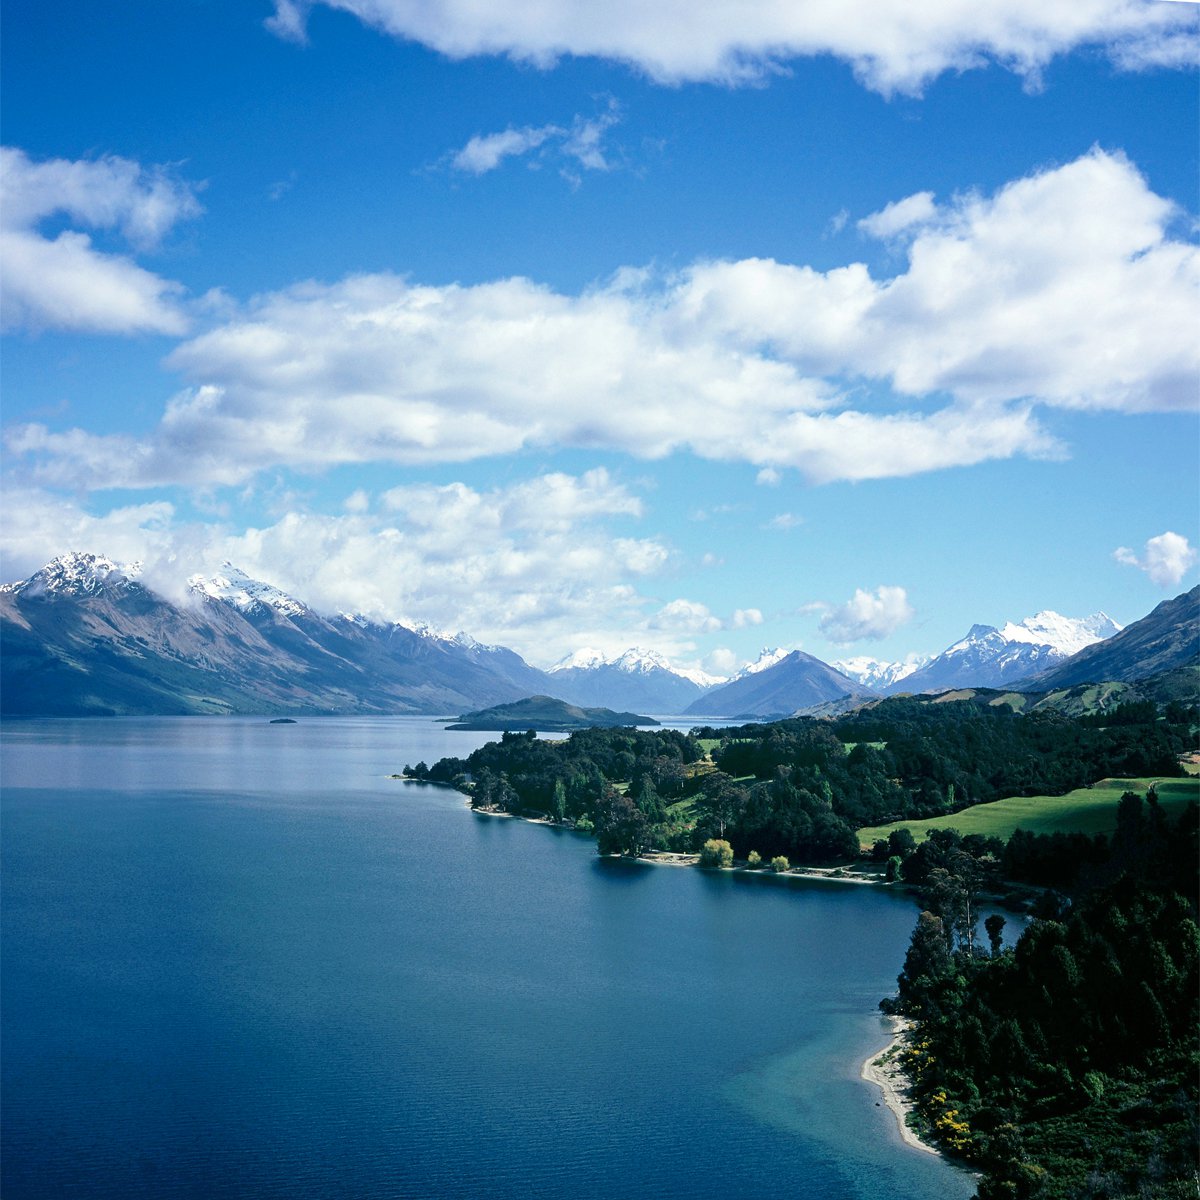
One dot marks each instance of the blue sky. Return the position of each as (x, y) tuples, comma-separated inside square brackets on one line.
[(700, 329)]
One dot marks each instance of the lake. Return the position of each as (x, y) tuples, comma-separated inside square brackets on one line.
[(240, 961)]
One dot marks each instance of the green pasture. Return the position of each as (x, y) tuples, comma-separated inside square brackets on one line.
[(1085, 810)]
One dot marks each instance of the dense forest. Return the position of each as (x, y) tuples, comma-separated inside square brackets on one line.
[(801, 787), (1066, 1066)]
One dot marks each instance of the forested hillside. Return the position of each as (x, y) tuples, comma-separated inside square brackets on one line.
[(1066, 1066)]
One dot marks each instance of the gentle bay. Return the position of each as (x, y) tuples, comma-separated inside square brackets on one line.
[(239, 960)]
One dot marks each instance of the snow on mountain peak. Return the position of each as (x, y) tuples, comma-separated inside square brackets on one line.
[(77, 574), (876, 673), (1067, 635), (235, 587), (767, 658), (634, 661)]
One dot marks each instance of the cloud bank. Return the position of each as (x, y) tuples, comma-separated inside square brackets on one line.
[(65, 282), (892, 45), (1063, 289)]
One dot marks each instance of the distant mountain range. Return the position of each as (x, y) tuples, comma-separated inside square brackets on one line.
[(638, 679), (85, 636), (991, 657), (791, 682)]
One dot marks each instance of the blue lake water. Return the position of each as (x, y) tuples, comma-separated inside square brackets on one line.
[(240, 961)]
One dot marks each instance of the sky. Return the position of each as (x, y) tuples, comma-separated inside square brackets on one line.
[(696, 328)]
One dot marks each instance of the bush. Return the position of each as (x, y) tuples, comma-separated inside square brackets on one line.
[(754, 860), (780, 863), (716, 852)]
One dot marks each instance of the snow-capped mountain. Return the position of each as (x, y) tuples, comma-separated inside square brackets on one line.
[(767, 658), (992, 657), (75, 574), (876, 674), (235, 587), (1066, 635), (639, 680), (778, 684), (83, 636)]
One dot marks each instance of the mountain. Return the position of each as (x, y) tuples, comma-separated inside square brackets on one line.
[(83, 636), (638, 679), (1167, 638), (778, 688), (878, 675), (990, 657), (548, 715)]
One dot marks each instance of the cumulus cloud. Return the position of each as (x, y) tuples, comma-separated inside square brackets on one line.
[(1065, 288), (1166, 558), (743, 617), (541, 565), (64, 282), (867, 616), (896, 46)]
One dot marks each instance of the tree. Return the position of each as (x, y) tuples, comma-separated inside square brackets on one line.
[(780, 863), (621, 827), (995, 931), (716, 852)]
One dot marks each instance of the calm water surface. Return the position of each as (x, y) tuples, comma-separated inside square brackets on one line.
[(240, 961)]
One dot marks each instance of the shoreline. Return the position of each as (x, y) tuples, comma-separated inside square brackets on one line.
[(882, 1070)]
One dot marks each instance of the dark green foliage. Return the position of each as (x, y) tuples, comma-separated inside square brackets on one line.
[(793, 788), (1066, 1067)]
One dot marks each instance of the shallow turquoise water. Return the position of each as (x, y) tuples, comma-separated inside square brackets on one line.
[(238, 960)]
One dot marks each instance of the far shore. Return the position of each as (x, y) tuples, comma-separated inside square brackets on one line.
[(883, 1070)]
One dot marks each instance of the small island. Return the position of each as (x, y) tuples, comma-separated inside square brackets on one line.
[(547, 715)]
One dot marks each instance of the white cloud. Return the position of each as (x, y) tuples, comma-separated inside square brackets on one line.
[(769, 477), (743, 617), (540, 565), (65, 282), (721, 661), (895, 46), (867, 616), (684, 616), (900, 216), (582, 142), (782, 522), (1063, 289), (1166, 558), (485, 152)]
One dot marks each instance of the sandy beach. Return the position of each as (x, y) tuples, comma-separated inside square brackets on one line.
[(883, 1070)]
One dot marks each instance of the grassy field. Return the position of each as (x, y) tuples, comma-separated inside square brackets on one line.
[(1086, 810)]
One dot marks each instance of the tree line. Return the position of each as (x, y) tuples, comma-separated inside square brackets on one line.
[(800, 788)]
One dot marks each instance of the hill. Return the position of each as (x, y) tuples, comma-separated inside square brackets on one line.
[(547, 715)]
